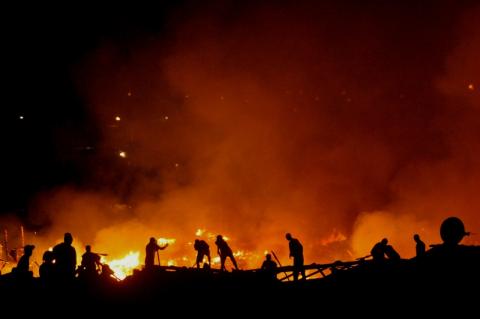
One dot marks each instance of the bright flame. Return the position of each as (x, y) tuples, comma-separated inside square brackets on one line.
[(122, 154), (125, 266), (199, 232), (471, 87), (117, 118), (165, 241)]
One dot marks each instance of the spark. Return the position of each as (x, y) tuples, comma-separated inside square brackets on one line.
[(117, 118), (471, 87), (21, 117), (166, 118), (122, 154)]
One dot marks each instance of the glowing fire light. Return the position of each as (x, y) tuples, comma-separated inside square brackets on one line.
[(122, 154), (124, 267), (166, 241), (199, 232), (471, 87), (117, 118), (21, 117), (166, 118)]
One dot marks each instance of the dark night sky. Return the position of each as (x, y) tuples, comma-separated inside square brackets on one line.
[(42, 47)]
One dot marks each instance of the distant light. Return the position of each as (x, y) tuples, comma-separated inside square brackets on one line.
[(166, 118), (200, 232), (122, 154), (177, 165), (117, 118), (129, 93), (21, 117), (471, 87)]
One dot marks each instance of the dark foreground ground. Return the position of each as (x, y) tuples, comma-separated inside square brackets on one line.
[(446, 280)]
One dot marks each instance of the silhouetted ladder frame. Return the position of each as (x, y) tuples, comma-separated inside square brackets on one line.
[(318, 268)]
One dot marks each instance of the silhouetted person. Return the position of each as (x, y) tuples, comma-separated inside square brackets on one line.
[(224, 251), (391, 253), (90, 262), (203, 250), (23, 266), (47, 268), (150, 251), (452, 231), (296, 251), (420, 246), (378, 251), (269, 266), (65, 258)]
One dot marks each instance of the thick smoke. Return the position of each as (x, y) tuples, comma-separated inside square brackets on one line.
[(340, 124)]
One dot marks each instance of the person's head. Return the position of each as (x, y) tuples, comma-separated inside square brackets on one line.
[(268, 257), (416, 237), (384, 241), (152, 240), (67, 238), (219, 237), (197, 241), (88, 248), (288, 236), (48, 256), (28, 249)]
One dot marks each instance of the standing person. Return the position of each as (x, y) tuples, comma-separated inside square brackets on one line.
[(420, 246), (203, 250), (47, 268), (90, 263), (23, 266), (296, 251), (224, 251), (65, 258), (150, 250)]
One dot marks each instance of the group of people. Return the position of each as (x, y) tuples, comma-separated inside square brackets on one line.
[(61, 262), (224, 251), (382, 251)]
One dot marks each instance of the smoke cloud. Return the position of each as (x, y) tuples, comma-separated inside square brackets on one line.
[(340, 124)]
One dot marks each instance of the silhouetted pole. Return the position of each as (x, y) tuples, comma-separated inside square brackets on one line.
[(22, 236), (5, 243), (22, 239)]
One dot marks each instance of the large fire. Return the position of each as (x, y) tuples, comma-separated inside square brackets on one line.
[(124, 267)]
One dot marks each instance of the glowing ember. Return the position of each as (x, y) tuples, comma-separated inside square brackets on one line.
[(129, 93), (122, 154), (199, 232), (166, 118), (471, 87), (117, 118), (166, 241), (124, 267)]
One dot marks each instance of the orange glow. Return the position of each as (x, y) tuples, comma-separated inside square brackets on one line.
[(122, 154), (471, 87)]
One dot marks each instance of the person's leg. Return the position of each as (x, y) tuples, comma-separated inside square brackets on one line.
[(234, 261), (222, 262)]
